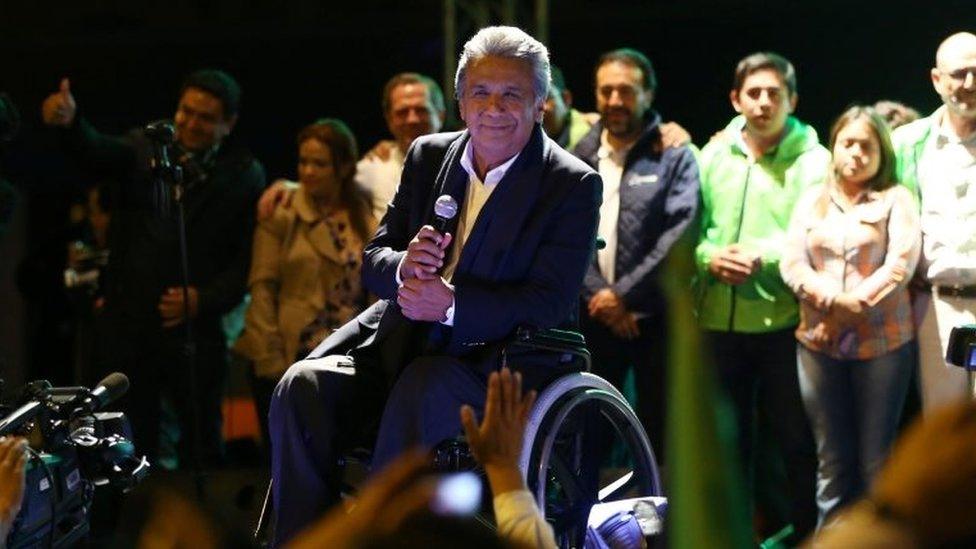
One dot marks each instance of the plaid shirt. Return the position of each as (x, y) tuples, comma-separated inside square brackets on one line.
[(869, 250)]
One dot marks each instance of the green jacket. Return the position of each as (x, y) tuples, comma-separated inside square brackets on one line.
[(750, 203), (576, 127), (909, 142)]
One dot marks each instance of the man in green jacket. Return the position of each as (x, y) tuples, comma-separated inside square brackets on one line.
[(751, 175), (937, 161)]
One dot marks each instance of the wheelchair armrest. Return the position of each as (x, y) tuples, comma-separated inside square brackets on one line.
[(569, 343)]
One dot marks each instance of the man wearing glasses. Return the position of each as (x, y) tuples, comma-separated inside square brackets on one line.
[(937, 160)]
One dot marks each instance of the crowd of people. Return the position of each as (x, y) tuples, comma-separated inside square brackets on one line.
[(829, 275)]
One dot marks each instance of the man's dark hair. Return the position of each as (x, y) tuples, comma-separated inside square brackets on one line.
[(218, 84), (765, 60), (403, 78), (558, 81), (634, 58)]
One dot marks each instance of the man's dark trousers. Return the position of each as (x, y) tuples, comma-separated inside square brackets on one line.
[(760, 371)]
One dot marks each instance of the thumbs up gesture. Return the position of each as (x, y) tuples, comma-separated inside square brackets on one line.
[(59, 108)]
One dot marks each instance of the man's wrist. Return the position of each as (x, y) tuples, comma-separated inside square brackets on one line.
[(396, 275), (504, 478)]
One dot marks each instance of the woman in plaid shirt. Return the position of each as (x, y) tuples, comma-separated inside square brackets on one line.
[(853, 245)]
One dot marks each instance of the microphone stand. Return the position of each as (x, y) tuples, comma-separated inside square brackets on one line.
[(168, 186)]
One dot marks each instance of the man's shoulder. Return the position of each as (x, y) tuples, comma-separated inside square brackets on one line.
[(238, 164), (566, 160), (722, 144)]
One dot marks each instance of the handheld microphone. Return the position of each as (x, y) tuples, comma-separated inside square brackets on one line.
[(445, 208)]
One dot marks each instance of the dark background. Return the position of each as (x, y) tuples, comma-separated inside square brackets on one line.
[(298, 61)]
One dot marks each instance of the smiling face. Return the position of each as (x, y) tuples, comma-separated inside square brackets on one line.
[(199, 120), (765, 101), (411, 113), (500, 108), (622, 99), (954, 76), (316, 169), (856, 153)]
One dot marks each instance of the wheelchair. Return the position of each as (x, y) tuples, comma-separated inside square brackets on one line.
[(576, 419), (568, 434)]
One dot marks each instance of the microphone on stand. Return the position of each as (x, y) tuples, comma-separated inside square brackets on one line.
[(161, 135), (161, 132)]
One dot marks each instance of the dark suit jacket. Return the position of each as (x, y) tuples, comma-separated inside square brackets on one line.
[(523, 263), (658, 203)]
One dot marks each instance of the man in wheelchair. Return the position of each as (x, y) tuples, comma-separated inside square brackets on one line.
[(514, 255)]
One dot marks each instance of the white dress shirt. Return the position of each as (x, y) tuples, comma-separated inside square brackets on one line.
[(611, 168), (947, 181), (380, 178)]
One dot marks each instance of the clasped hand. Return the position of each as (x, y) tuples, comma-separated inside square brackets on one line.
[(171, 306), (607, 307), (733, 265), (424, 295)]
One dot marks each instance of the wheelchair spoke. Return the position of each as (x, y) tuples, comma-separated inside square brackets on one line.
[(568, 479)]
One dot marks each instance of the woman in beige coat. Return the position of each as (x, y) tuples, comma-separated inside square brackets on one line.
[(305, 267)]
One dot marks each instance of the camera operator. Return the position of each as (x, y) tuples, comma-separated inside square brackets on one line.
[(141, 330)]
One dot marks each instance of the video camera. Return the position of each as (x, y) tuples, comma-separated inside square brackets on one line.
[(75, 448), (961, 350)]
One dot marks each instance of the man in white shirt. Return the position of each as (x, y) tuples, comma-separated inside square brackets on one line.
[(937, 160), (413, 105)]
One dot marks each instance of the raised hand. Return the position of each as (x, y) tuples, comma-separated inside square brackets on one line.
[(13, 460), (497, 442), (59, 108)]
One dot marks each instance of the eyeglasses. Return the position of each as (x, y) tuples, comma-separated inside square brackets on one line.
[(959, 75)]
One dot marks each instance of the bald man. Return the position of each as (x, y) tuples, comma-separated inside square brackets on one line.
[(937, 160)]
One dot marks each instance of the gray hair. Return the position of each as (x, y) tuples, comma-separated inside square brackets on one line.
[(511, 43)]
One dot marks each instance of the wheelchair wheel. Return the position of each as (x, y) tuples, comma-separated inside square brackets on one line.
[(574, 423)]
